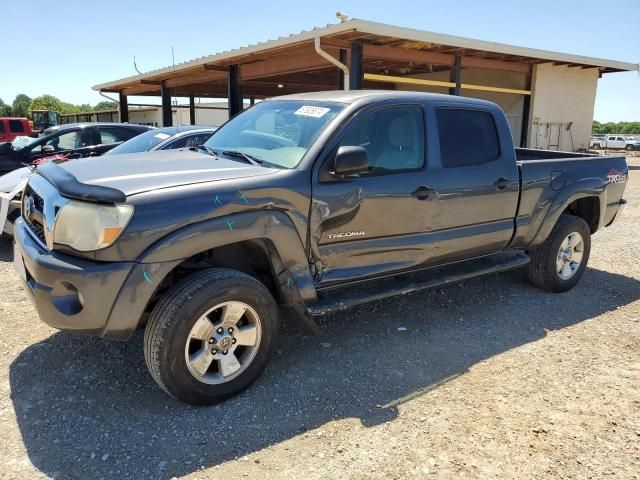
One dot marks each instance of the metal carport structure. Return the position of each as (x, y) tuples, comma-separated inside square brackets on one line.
[(354, 54)]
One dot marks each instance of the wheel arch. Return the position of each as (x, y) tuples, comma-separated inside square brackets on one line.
[(262, 244), (587, 203)]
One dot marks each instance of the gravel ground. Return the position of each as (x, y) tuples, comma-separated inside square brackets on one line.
[(486, 379)]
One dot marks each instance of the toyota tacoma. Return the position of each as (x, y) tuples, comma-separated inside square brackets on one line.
[(300, 206)]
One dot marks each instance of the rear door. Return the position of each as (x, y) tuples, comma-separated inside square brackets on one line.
[(475, 181), (4, 137)]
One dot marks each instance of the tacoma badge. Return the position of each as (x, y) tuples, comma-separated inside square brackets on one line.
[(345, 234)]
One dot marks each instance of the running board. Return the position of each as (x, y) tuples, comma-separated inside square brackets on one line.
[(329, 300)]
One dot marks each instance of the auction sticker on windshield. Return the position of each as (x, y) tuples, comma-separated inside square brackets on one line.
[(162, 136), (312, 111)]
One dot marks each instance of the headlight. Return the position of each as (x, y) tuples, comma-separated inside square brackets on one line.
[(88, 226)]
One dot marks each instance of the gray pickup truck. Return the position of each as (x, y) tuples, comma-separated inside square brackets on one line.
[(299, 206)]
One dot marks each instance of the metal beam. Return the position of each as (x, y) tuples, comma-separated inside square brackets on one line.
[(302, 61), (192, 110), (403, 54), (437, 83), (356, 71), (234, 95), (124, 108), (501, 65), (455, 76), (167, 117)]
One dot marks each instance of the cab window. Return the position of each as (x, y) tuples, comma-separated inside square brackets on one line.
[(393, 138)]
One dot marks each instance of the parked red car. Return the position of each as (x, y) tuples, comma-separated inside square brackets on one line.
[(12, 127)]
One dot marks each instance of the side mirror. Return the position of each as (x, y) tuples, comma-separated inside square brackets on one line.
[(47, 149), (350, 160)]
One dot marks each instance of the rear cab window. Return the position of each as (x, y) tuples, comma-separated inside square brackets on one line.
[(467, 137)]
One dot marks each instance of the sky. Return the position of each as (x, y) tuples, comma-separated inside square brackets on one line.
[(64, 48)]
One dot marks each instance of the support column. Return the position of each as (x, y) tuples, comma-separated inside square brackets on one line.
[(167, 117), (455, 76), (526, 107), (124, 108), (343, 59), (234, 94), (356, 72), (252, 101), (192, 110)]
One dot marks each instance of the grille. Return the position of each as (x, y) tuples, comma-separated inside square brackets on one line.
[(38, 231), (35, 225), (38, 201)]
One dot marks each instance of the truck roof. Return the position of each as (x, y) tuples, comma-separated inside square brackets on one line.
[(352, 96)]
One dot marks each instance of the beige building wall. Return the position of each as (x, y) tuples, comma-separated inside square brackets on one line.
[(562, 96)]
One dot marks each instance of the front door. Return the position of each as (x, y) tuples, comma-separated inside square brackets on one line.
[(374, 223)]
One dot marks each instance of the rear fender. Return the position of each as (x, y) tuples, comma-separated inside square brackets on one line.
[(585, 188)]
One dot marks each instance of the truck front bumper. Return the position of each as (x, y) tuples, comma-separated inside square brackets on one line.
[(104, 299)]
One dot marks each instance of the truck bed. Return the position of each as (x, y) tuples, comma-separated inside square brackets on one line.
[(550, 179), (529, 154)]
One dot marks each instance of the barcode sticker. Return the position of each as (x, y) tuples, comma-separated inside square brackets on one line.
[(312, 111)]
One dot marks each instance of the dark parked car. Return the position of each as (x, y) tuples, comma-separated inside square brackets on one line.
[(307, 204), (74, 139), (165, 138)]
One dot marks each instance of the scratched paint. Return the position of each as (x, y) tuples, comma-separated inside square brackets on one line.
[(146, 278)]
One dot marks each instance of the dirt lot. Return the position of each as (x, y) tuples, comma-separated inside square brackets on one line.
[(491, 379)]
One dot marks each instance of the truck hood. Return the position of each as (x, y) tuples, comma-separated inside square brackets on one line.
[(141, 172)]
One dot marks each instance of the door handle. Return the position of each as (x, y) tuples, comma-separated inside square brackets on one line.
[(424, 193), (502, 183)]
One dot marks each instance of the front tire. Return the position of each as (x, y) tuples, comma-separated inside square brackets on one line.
[(558, 264), (210, 337), (629, 148)]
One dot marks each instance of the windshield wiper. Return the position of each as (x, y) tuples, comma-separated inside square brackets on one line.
[(249, 158), (209, 150)]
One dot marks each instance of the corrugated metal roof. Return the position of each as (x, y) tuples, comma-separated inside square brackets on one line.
[(382, 30)]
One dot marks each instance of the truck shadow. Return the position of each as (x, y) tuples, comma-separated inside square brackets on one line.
[(88, 408)]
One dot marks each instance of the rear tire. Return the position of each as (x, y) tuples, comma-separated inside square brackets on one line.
[(629, 148), (554, 264), (216, 310)]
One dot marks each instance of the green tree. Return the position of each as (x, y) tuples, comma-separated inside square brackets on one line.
[(105, 105), (5, 110), (47, 102), (21, 105)]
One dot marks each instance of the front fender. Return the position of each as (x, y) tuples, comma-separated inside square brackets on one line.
[(272, 225), (584, 188)]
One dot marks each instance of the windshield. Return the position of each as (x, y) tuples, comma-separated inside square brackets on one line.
[(277, 132), (143, 142), (21, 142)]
